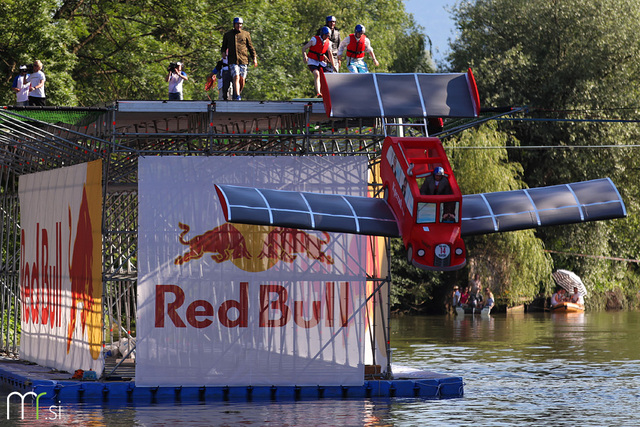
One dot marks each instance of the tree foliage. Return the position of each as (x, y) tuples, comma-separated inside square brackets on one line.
[(102, 50), (514, 265), (565, 59)]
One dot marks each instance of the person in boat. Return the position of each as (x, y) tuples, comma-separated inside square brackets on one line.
[(464, 298), (576, 298), (557, 298), (489, 300), (475, 297), (456, 296)]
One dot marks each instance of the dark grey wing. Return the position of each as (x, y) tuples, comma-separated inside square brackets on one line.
[(400, 95), (594, 200), (309, 211)]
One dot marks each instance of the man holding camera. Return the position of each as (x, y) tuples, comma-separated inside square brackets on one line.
[(21, 87), (175, 78)]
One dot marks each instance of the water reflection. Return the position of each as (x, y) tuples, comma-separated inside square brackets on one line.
[(526, 369)]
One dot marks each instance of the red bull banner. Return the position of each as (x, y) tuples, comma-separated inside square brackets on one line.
[(61, 267), (234, 304)]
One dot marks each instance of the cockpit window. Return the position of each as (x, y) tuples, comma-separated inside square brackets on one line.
[(426, 213), (449, 212)]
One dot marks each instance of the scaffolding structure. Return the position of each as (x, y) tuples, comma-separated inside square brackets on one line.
[(36, 139)]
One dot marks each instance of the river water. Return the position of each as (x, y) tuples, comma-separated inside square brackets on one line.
[(527, 369)]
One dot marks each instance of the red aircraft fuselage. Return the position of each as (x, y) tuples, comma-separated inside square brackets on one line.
[(429, 223)]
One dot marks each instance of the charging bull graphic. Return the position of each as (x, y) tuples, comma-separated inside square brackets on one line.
[(253, 248)]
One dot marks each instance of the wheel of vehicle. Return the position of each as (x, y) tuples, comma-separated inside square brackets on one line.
[(410, 254)]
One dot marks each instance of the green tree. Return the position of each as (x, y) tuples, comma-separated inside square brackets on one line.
[(514, 265), (29, 33), (566, 59)]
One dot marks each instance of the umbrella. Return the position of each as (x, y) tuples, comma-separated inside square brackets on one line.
[(568, 280)]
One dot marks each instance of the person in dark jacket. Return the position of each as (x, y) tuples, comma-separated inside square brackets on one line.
[(334, 38), (238, 49)]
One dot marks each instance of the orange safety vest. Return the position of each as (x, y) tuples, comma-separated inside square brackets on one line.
[(355, 48), (318, 50)]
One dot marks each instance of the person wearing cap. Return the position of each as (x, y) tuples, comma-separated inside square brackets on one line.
[(319, 54), (354, 47), (334, 38), (436, 183), (36, 82), (21, 87), (238, 49), (175, 78)]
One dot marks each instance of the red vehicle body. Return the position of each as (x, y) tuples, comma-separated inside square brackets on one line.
[(429, 224)]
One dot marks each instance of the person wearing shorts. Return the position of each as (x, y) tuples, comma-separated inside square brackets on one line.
[(238, 49), (319, 53), (354, 47)]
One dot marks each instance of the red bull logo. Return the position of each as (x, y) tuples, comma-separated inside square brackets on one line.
[(253, 248), (43, 288)]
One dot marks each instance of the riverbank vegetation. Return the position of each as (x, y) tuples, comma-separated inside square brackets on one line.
[(574, 63)]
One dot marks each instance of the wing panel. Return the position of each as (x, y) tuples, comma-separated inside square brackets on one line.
[(555, 205), (325, 212), (399, 95)]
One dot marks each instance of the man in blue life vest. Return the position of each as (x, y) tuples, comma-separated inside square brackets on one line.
[(319, 54), (354, 47)]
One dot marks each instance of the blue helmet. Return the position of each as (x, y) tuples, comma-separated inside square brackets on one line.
[(331, 18), (238, 20), (359, 29), (325, 31), (438, 171)]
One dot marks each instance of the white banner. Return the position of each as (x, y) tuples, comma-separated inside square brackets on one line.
[(233, 304), (61, 267)]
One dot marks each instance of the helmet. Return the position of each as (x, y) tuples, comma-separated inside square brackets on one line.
[(325, 31), (331, 18), (359, 28), (438, 171), (238, 20)]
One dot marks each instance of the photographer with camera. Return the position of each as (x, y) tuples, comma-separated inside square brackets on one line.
[(175, 78), (21, 87), (36, 81)]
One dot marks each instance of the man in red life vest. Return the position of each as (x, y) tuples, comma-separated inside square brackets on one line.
[(354, 47), (319, 54)]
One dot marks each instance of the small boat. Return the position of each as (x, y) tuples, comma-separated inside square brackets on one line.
[(567, 307), (460, 311)]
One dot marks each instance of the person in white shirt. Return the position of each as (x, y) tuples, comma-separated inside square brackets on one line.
[(175, 78), (577, 298), (557, 298), (21, 87), (36, 81)]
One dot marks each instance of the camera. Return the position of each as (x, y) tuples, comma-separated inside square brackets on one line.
[(173, 67)]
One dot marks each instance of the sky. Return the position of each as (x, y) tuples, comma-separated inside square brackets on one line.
[(437, 23)]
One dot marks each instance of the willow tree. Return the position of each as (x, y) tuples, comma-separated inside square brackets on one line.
[(514, 264), (574, 63)]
